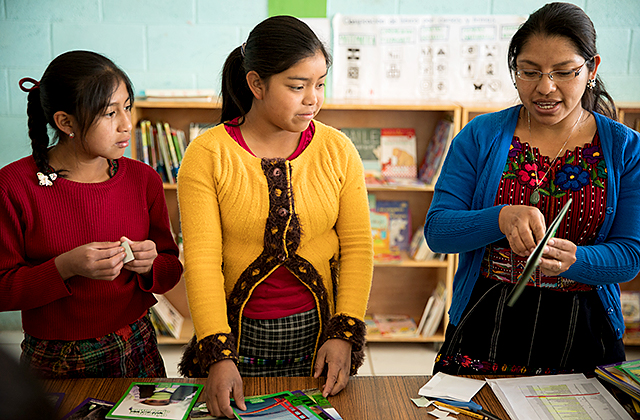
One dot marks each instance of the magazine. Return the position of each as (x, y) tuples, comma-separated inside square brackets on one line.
[(91, 408), (152, 400), (280, 406)]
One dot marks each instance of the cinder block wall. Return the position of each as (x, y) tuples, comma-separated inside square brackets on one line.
[(183, 43)]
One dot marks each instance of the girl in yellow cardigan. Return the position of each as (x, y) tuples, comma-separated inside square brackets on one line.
[(275, 219)]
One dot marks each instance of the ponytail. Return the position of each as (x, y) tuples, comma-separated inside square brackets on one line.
[(236, 95), (38, 134)]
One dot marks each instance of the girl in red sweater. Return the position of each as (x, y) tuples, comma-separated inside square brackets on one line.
[(64, 213)]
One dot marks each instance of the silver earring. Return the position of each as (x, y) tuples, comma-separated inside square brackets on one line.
[(591, 83)]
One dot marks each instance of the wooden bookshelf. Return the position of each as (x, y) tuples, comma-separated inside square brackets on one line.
[(398, 287)]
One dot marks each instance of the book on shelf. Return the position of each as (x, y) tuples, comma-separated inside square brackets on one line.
[(436, 152), (394, 325), (398, 153), (152, 400), (196, 129), (166, 319), (630, 301), (418, 248), (380, 234), (399, 229), (435, 311), (162, 147), (367, 142), (197, 95)]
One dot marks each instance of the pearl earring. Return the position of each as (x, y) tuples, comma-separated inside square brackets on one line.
[(72, 135)]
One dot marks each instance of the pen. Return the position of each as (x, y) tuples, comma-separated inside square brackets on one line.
[(461, 410)]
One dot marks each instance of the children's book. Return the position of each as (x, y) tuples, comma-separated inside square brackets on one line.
[(201, 412), (316, 395), (399, 223), (631, 368), (55, 398), (280, 406), (380, 233), (398, 152), (367, 141), (153, 400), (166, 318), (196, 129), (163, 146), (395, 325), (91, 408), (436, 312), (436, 152), (630, 301), (418, 248)]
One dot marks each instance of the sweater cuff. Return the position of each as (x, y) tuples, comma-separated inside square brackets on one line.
[(352, 330), (200, 355)]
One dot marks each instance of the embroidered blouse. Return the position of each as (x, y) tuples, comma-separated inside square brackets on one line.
[(581, 174)]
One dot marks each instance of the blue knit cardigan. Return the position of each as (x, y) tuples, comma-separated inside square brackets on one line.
[(462, 218)]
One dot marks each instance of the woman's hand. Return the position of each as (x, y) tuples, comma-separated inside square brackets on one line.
[(144, 253), (96, 260), (224, 381), (336, 353), (524, 227), (558, 256)]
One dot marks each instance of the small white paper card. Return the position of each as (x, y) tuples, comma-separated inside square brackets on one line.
[(451, 387), (127, 250)]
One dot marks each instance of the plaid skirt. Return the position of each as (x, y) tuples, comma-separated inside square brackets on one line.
[(545, 332), (279, 347), (130, 352)]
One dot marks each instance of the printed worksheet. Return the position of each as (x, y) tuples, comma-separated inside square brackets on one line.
[(446, 57)]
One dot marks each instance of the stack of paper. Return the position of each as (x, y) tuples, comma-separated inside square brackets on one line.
[(451, 387), (570, 396)]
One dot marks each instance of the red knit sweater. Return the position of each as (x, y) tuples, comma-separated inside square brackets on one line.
[(38, 223)]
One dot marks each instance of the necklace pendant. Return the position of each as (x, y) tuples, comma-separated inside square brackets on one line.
[(534, 198)]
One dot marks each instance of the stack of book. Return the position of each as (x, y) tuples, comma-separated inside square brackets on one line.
[(389, 155), (433, 312), (162, 147), (625, 376)]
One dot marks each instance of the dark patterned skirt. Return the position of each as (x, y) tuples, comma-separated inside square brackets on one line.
[(131, 352), (279, 347), (545, 332)]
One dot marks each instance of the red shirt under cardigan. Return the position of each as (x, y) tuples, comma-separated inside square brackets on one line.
[(38, 223), (281, 294)]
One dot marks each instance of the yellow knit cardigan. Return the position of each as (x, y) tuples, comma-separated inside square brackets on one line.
[(242, 217)]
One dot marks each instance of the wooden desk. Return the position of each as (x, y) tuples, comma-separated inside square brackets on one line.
[(364, 398)]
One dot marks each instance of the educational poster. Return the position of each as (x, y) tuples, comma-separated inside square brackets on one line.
[(423, 57)]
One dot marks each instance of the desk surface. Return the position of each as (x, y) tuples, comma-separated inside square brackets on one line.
[(364, 398)]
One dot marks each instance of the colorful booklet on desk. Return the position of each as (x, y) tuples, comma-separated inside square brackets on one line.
[(153, 400), (91, 408), (286, 405)]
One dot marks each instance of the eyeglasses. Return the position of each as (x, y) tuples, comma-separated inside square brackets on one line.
[(557, 75)]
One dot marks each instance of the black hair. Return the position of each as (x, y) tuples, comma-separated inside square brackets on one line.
[(571, 22), (80, 83), (273, 46)]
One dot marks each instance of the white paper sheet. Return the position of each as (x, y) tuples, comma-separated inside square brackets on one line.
[(451, 387)]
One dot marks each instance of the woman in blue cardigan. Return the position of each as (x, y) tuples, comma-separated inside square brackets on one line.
[(507, 175)]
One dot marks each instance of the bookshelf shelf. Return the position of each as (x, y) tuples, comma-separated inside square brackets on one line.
[(398, 287)]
